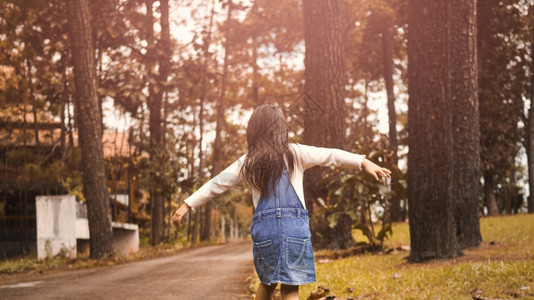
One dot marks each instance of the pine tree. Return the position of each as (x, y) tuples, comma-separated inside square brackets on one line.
[(324, 101), (90, 131), (430, 196)]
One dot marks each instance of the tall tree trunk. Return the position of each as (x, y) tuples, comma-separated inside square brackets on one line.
[(165, 61), (430, 139), (223, 228), (465, 121), (217, 143), (489, 195), (90, 133), (155, 101), (254, 61), (3, 214), (100, 97), (194, 231), (34, 104), (24, 123), (255, 72), (508, 195), (387, 54), (530, 123), (71, 125), (190, 155), (205, 235), (193, 218), (232, 227), (26, 246), (64, 100), (530, 153), (324, 102)]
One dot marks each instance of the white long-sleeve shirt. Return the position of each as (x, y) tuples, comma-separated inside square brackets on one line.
[(305, 157)]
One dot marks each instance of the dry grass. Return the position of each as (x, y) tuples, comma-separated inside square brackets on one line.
[(30, 263)]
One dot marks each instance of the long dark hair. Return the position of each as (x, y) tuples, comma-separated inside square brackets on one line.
[(268, 148)]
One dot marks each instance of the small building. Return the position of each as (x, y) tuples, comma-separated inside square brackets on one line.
[(63, 228), (39, 156)]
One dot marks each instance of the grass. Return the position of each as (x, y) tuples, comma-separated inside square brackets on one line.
[(502, 267), (31, 263)]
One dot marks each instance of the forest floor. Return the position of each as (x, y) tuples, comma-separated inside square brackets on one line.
[(501, 268), (211, 272)]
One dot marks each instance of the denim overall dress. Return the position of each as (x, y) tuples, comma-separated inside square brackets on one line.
[(280, 231)]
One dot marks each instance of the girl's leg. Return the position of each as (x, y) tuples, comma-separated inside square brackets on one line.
[(289, 292), (265, 292)]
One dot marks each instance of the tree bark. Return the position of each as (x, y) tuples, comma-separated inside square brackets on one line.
[(387, 54), (530, 123), (62, 116), (90, 132), (165, 63), (194, 231), (223, 228), (155, 103), (465, 121), (530, 154), (220, 110), (430, 139), (489, 195), (205, 234), (254, 61), (512, 195), (217, 144), (33, 103), (324, 102), (255, 71)]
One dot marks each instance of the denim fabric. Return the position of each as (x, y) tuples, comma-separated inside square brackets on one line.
[(280, 231)]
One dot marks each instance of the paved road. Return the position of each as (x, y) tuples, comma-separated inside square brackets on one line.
[(214, 272)]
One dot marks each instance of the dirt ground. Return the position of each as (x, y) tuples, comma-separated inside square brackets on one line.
[(214, 272)]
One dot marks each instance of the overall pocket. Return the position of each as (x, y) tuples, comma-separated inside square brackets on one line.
[(264, 254), (298, 253)]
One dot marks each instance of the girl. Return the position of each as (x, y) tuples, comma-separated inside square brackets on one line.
[(280, 231)]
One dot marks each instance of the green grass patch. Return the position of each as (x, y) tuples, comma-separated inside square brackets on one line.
[(501, 269)]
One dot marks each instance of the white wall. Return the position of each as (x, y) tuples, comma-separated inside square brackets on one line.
[(56, 230)]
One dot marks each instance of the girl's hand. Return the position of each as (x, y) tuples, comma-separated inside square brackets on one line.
[(375, 170), (179, 214)]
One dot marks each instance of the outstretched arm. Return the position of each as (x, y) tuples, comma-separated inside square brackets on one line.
[(215, 186), (319, 156), (309, 156)]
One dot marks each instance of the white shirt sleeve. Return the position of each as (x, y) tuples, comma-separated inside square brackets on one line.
[(217, 185), (310, 156)]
